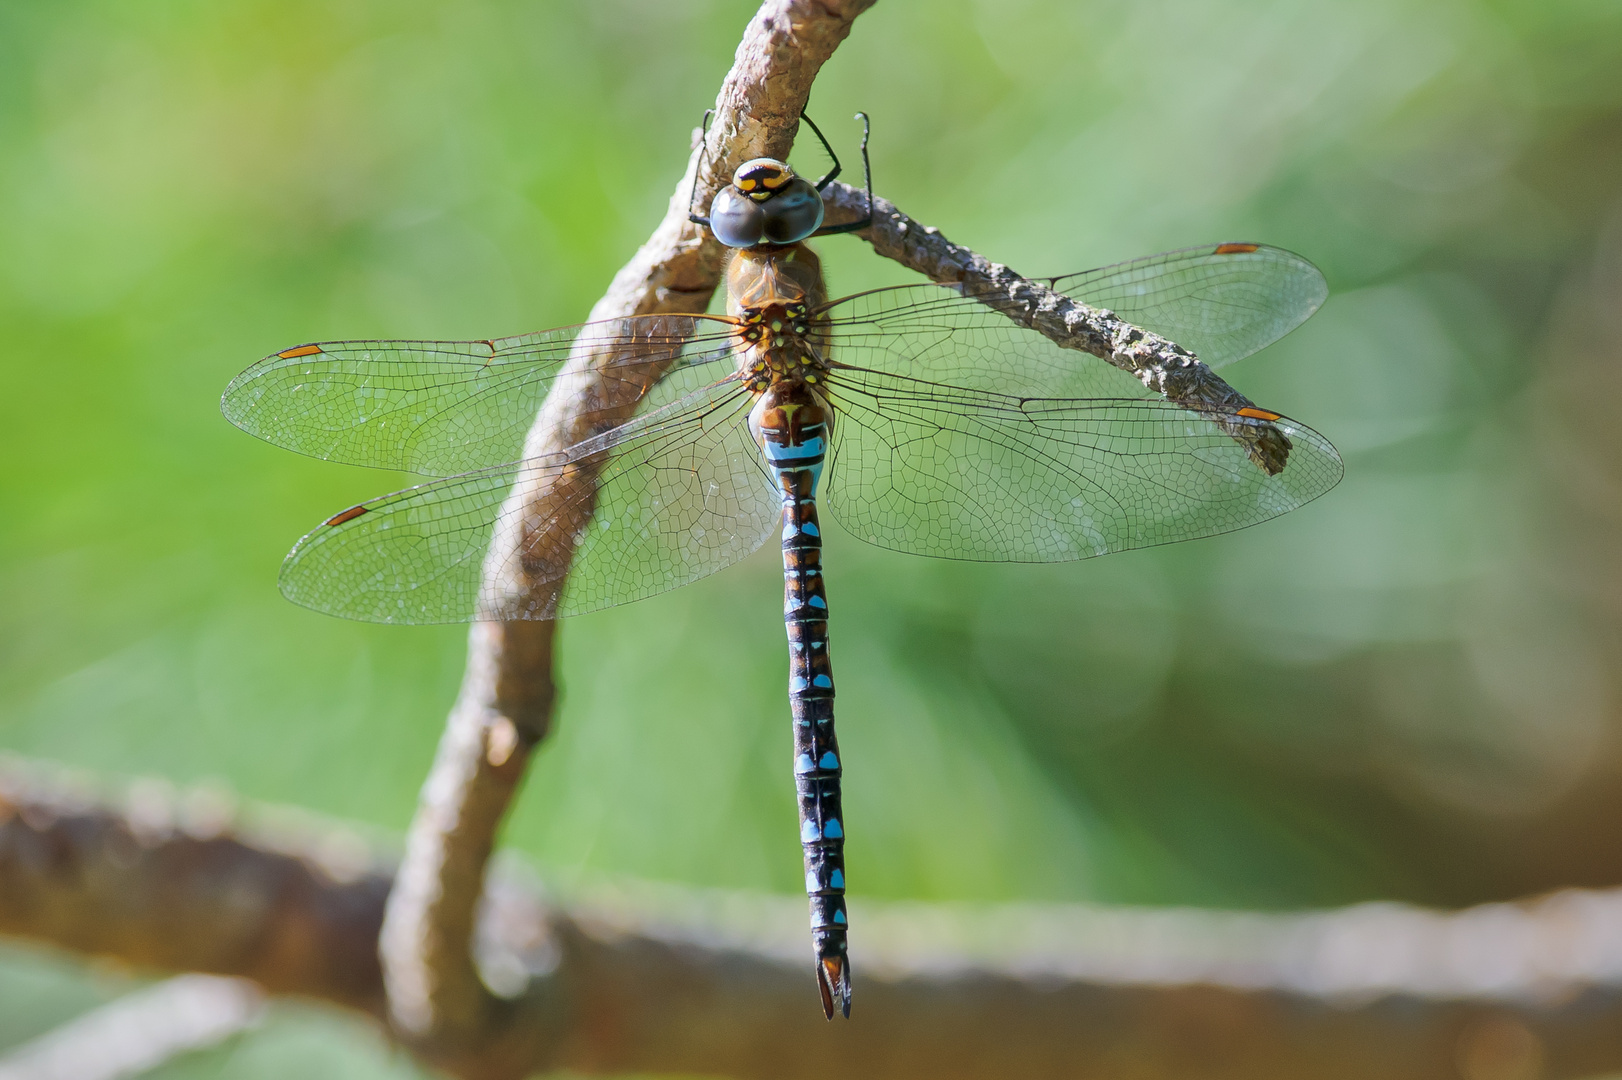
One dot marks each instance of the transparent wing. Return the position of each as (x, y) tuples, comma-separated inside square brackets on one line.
[(682, 493), (444, 407), (937, 333), (1220, 301), (939, 470)]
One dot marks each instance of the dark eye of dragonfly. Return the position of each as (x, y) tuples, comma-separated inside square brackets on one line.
[(794, 213), (737, 220), (765, 203)]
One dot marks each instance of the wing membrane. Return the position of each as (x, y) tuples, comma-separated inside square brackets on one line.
[(959, 434), (1220, 301), (938, 470), (439, 408), (935, 332), (681, 495)]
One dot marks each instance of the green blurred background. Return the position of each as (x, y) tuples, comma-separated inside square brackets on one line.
[(1407, 689)]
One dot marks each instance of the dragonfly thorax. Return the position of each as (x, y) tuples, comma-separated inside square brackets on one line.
[(760, 277), (775, 296)]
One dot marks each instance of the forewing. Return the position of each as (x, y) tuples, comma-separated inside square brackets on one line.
[(935, 332), (943, 471), (1220, 301), (444, 407), (681, 494)]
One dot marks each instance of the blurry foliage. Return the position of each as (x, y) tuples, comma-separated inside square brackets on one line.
[(1406, 689)]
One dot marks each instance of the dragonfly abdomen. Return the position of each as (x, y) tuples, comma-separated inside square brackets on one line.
[(793, 432)]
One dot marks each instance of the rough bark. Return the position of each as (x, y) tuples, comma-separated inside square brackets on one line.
[(1161, 365), (438, 1003)]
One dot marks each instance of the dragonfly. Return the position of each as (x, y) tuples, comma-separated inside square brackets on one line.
[(924, 419)]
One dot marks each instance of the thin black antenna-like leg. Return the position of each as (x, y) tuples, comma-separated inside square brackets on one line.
[(833, 172), (867, 170), (703, 146)]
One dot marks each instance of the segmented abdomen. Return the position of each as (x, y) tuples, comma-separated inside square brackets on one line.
[(798, 466)]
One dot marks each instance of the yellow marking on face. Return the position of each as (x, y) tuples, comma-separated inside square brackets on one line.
[(302, 350), (759, 178)]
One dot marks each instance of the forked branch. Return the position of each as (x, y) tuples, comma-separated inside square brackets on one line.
[(437, 1002)]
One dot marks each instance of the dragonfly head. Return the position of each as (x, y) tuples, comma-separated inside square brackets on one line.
[(766, 203)]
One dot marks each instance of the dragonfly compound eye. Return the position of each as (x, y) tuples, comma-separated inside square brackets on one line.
[(737, 220), (794, 213), (766, 203)]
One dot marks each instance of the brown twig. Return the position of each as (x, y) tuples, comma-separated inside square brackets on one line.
[(1163, 366), (436, 998), (700, 983), (162, 889)]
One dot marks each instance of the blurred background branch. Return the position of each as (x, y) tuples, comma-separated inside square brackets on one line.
[(139, 1031), (634, 976)]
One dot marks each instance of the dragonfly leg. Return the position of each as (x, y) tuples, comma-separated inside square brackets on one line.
[(829, 176), (867, 170), (692, 197)]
